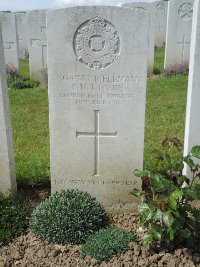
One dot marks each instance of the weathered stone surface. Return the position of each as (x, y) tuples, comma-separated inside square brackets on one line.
[(37, 46), (151, 9), (22, 34), (97, 61), (161, 23), (7, 166), (192, 128), (179, 25), (10, 40)]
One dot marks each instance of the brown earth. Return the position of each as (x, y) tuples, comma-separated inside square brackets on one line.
[(29, 251)]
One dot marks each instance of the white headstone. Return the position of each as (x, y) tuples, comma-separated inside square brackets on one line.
[(179, 26), (192, 128), (161, 23), (10, 39), (7, 166), (97, 86), (150, 8), (22, 34), (37, 45)]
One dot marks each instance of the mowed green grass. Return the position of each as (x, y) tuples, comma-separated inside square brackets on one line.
[(159, 56), (24, 68), (165, 115), (29, 109)]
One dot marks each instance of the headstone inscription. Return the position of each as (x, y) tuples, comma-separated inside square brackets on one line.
[(7, 166), (37, 46), (192, 127), (150, 8), (10, 38), (97, 88), (22, 34), (161, 23), (179, 26)]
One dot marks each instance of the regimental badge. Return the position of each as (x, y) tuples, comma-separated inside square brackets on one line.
[(97, 43), (186, 11), (160, 7)]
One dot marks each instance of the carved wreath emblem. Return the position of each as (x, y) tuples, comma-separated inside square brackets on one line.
[(96, 43), (160, 7), (186, 11)]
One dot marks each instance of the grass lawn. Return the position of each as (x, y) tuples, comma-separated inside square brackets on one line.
[(29, 110), (24, 68), (165, 115), (159, 57)]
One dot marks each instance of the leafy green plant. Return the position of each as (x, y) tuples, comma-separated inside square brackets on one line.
[(166, 211), (22, 83), (13, 218), (107, 243), (67, 217), (17, 81)]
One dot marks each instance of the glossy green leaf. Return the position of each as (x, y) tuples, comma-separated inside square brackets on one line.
[(136, 192), (177, 193), (151, 235), (195, 152), (171, 232), (154, 234), (167, 219), (148, 214), (160, 184), (190, 163), (172, 202), (155, 180), (147, 238), (143, 207), (139, 173), (158, 215), (179, 165), (175, 213)]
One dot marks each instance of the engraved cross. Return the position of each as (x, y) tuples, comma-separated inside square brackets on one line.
[(41, 42), (183, 42), (96, 135)]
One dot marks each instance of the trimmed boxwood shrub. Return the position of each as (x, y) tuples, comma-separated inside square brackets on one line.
[(107, 243), (67, 217), (13, 218)]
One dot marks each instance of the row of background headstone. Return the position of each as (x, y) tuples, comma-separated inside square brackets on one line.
[(26, 34), (179, 26), (56, 63)]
